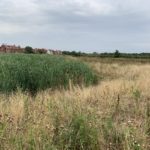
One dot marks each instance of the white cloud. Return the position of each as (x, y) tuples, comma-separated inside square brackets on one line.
[(10, 28), (96, 7), (18, 7), (88, 8)]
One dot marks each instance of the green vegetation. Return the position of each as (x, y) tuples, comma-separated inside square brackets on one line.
[(80, 134), (38, 72), (29, 49), (116, 54), (114, 115)]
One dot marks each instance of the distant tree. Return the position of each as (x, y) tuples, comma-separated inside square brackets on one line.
[(74, 53), (29, 49), (95, 53), (117, 54)]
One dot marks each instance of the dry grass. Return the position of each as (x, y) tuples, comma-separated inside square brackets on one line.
[(115, 115)]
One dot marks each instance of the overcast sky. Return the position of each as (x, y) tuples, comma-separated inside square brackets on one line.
[(82, 25)]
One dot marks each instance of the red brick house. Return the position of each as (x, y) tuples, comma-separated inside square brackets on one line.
[(4, 48)]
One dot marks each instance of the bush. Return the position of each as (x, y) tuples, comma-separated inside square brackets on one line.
[(117, 54), (39, 72), (29, 49)]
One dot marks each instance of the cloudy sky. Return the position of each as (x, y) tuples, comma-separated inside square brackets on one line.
[(82, 25)]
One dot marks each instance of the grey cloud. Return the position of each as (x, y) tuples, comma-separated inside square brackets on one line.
[(76, 24)]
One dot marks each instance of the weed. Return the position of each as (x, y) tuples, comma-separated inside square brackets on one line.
[(114, 138), (148, 118), (79, 135)]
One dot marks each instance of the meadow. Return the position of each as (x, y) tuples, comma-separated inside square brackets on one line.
[(112, 115)]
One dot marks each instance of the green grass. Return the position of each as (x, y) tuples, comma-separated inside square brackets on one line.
[(39, 72)]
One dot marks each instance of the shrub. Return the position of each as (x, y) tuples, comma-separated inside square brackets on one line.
[(117, 54), (28, 49), (39, 72)]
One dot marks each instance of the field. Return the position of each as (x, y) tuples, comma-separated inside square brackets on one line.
[(112, 115)]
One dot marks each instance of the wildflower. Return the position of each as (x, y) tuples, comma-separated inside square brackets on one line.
[(138, 145)]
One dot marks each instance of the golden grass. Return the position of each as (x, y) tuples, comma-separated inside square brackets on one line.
[(118, 108)]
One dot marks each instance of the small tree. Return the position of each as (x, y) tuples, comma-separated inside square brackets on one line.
[(117, 54), (29, 49)]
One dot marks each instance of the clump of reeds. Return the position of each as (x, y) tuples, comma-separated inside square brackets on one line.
[(39, 72)]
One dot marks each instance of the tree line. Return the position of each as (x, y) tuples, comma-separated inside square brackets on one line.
[(115, 54)]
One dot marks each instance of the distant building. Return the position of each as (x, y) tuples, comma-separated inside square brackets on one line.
[(40, 50), (50, 52), (4, 48), (54, 52)]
